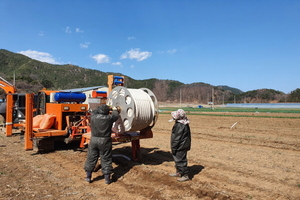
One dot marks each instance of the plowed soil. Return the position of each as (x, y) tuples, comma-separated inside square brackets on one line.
[(257, 158)]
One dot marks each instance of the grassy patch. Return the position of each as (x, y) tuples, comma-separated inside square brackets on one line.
[(232, 112), (224, 109), (228, 115)]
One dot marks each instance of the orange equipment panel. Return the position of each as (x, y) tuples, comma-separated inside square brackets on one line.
[(59, 109)]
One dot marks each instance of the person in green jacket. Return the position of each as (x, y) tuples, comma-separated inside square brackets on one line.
[(100, 145), (180, 144)]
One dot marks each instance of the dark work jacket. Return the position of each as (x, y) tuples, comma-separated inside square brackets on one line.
[(101, 123), (180, 138)]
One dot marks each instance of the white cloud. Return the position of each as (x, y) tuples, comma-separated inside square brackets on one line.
[(132, 66), (41, 33), (84, 45), (101, 58), (79, 31), (172, 51), (41, 56), (68, 30), (131, 38), (136, 54), (117, 63)]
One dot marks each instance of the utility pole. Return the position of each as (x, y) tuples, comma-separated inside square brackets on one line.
[(180, 97), (223, 99), (212, 98)]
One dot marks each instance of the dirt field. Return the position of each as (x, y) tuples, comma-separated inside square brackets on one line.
[(257, 159)]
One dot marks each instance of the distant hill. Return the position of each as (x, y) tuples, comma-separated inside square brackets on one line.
[(32, 75), (233, 90)]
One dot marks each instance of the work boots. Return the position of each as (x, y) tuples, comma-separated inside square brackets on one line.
[(175, 175), (183, 178), (88, 177), (107, 179)]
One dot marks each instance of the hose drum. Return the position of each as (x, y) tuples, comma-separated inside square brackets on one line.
[(139, 108)]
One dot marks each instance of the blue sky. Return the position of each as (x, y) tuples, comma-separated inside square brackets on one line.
[(246, 44)]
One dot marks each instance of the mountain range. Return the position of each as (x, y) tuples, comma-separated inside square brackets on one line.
[(32, 75)]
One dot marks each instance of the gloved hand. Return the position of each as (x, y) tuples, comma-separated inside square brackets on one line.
[(117, 108)]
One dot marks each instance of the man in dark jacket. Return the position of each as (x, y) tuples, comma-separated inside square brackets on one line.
[(101, 144), (180, 144)]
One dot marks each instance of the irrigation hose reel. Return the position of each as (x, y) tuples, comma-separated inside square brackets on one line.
[(139, 109)]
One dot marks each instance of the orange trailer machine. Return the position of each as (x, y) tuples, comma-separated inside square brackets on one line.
[(13, 107), (66, 118), (139, 112)]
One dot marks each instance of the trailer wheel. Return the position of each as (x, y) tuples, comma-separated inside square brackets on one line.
[(43, 145)]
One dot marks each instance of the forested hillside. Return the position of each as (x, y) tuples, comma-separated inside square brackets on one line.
[(32, 75)]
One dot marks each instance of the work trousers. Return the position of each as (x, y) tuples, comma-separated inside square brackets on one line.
[(181, 162), (99, 147)]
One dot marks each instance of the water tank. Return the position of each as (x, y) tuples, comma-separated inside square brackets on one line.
[(69, 97)]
